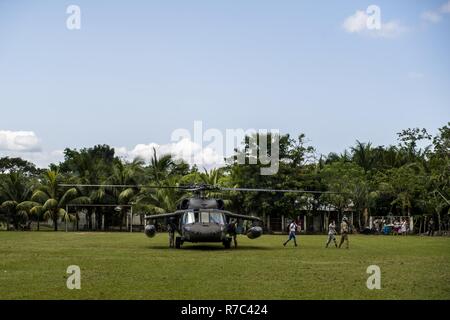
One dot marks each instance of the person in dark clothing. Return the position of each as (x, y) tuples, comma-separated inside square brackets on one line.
[(172, 228), (232, 231), (431, 227), (344, 232)]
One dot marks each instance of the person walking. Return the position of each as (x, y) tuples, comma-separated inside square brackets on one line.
[(344, 232), (292, 233), (331, 234)]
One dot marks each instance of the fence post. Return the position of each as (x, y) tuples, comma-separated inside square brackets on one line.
[(131, 214)]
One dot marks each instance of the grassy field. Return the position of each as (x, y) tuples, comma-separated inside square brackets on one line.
[(130, 266)]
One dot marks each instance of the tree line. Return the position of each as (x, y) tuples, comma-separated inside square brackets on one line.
[(409, 178)]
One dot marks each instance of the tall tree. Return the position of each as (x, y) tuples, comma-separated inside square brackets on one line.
[(411, 140), (51, 199), (363, 156), (347, 180), (15, 189), (160, 200), (160, 167), (125, 174), (8, 164), (405, 185)]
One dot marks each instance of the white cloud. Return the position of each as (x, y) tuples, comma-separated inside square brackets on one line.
[(41, 159), (357, 23), (27, 146), (22, 141), (185, 149), (435, 16), (391, 29), (431, 16)]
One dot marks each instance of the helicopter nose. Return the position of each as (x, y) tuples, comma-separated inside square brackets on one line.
[(203, 232)]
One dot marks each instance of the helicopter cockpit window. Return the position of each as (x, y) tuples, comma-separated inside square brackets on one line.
[(216, 217), (204, 216), (211, 217), (189, 217)]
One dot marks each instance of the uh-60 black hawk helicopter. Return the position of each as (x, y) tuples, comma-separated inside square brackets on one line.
[(201, 219)]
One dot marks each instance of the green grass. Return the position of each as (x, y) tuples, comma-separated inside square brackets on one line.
[(130, 266)]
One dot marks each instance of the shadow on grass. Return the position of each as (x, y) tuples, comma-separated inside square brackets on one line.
[(209, 248)]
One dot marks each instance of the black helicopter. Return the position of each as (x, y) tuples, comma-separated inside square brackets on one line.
[(202, 219), (199, 218)]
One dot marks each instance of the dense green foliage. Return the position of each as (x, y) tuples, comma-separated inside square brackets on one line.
[(411, 178)]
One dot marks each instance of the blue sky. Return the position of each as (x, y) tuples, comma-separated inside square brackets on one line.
[(138, 70)]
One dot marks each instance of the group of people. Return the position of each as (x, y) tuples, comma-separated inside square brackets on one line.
[(400, 228), (396, 228), (345, 229)]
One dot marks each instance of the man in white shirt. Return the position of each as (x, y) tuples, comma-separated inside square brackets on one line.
[(404, 228), (331, 234), (292, 233)]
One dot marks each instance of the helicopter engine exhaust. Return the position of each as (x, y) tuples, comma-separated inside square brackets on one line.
[(254, 232), (150, 230)]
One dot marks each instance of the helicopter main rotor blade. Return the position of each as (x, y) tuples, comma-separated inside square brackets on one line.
[(278, 190), (118, 186), (197, 188)]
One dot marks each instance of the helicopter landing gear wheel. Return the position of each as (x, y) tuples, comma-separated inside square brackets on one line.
[(227, 243), (178, 242)]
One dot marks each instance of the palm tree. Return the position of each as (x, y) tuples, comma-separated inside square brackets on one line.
[(125, 174), (160, 168), (15, 189), (363, 155), (212, 177), (363, 198), (391, 157), (51, 199), (162, 200), (159, 201)]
